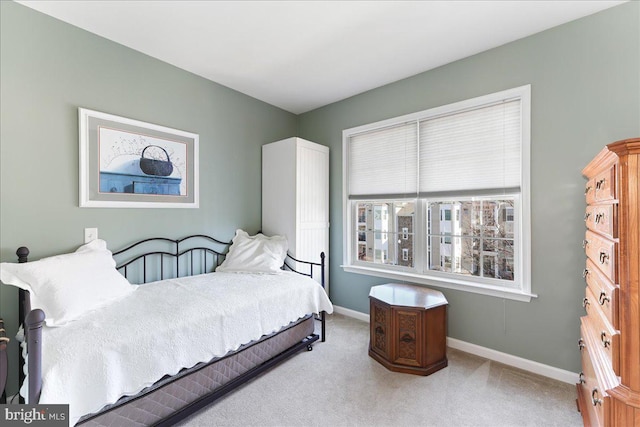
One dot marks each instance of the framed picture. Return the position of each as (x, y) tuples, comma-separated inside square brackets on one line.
[(126, 163)]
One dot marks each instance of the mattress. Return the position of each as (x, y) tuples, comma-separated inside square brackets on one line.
[(191, 386)]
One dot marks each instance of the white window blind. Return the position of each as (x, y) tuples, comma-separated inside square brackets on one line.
[(384, 162), (478, 149)]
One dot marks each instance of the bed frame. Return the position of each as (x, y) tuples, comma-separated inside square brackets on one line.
[(162, 258), (4, 370)]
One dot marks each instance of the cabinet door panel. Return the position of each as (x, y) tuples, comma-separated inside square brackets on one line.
[(407, 337), (380, 329)]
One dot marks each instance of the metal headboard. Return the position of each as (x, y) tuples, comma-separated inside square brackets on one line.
[(178, 249), (199, 258)]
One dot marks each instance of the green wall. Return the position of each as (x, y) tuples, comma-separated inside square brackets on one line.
[(585, 82), (47, 70)]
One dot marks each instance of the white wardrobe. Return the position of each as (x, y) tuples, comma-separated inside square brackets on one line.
[(295, 197)]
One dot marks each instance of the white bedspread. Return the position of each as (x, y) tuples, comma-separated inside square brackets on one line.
[(163, 327)]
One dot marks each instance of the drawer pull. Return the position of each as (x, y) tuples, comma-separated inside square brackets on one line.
[(599, 217), (585, 302), (594, 397), (603, 298), (603, 257), (585, 243), (600, 184), (581, 344), (585, 273), (587, 215), (407, 338), (581, 379), (379, 330), (586, 190), (603, 337)]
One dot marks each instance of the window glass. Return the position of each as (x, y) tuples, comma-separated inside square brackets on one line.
[(478, 242), (386, 232)]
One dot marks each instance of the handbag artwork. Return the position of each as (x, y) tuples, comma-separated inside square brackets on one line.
[(154, 166)]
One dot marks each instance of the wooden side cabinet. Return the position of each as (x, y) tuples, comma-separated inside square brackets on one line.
[(408, 328)]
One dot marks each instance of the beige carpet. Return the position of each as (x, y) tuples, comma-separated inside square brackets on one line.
[(338, 384)]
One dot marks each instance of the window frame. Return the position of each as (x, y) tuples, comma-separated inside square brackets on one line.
[(521, 290)]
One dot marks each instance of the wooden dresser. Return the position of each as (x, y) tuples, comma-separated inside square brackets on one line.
[(408, 328), (609, 387)]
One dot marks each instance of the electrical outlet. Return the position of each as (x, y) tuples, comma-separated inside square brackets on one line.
[(90, 234)]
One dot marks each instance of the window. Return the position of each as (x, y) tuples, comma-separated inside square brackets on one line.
[(441, 196)]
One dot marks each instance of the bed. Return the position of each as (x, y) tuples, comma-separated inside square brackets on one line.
[(194, 334)]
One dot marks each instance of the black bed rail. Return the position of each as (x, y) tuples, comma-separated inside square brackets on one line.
[(311, 264), (176, 241), (33, 335), (4, 369), (24, 307)]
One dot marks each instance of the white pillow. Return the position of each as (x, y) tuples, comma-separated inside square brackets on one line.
[(67, 286), (255, 254)]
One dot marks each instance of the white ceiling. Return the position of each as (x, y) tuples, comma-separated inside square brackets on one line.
[(301, 55)]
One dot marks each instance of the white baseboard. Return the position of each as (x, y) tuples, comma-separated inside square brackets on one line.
[(515, 361), (488, 353), (351, 313)]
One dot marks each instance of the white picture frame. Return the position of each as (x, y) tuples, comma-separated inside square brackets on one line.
[(127, 163)]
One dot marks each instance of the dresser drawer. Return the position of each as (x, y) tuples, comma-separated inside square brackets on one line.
[(594, 398), (604, 337), (606, 293), (603, 254), (605, 185), (603, 219)]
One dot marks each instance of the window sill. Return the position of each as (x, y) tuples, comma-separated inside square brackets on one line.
[(494, 291)]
